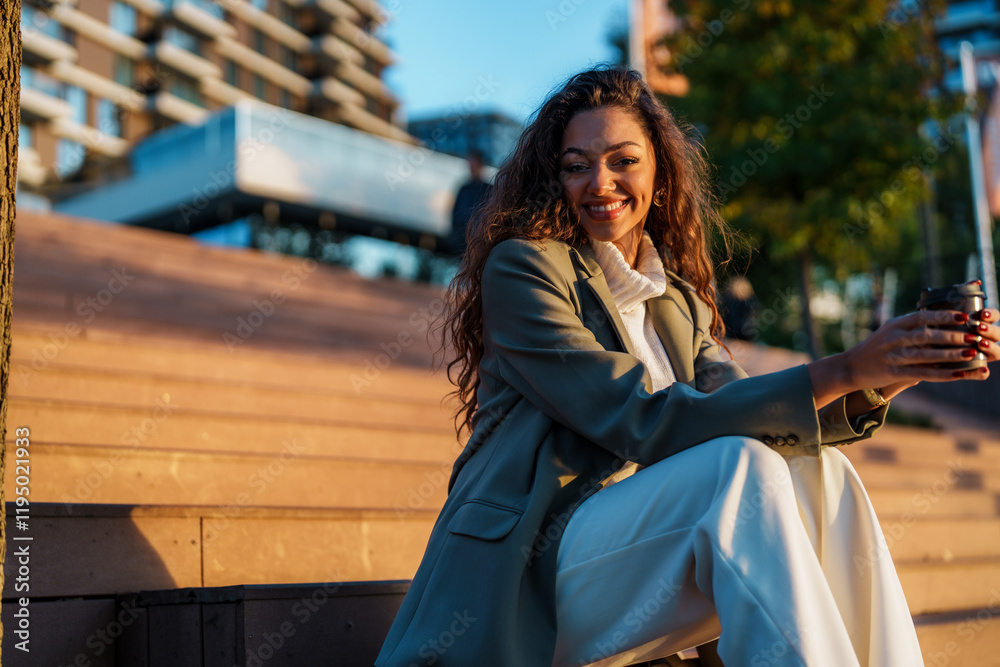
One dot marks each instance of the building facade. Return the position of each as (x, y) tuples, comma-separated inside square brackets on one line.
[(492, 135), (975, 21), (100, 75)]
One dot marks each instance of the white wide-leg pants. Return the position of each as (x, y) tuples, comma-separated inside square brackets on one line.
[(782, 556)]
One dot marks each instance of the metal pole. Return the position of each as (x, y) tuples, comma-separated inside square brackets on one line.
[(984, 223)]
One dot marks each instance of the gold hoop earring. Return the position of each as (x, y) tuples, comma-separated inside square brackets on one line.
[(658, 197)]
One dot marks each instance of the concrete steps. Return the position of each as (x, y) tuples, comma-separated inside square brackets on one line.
[(903, 444), (130, 388), (127, 548), (929, 539), (910, 503), (72, 474), (177, 288), (360, 372), (951, 474), (194, 429), (961, 639), (957, 585), (318, 447)]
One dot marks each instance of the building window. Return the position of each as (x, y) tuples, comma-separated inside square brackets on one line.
[(187, 90), (108, 118), (69, 157), (210, 8), (286, 99), (31, 78), (259, 42), (27, 77), (24, 136), (77, 99), (258, 86), (232, 73), (259, 4), (286, 57), (124, 70), (183, 39), (286, 13), (122, 18), (34, 20), (28, 14)]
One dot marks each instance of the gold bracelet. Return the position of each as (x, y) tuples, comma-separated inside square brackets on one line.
[(874, 398)]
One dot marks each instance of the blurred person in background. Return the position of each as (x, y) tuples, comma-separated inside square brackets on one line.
[(626, 491), (468, 199), (738, 308)]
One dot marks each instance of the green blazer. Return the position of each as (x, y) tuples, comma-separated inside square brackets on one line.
[(563, 403)]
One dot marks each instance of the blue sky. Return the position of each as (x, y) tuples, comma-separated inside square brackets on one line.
[(495, 56)]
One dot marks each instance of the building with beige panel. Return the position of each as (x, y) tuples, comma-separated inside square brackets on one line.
[(99, 75)]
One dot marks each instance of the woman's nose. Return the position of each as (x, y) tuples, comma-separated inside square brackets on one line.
[(601, 180)]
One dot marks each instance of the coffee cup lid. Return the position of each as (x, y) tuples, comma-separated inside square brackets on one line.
[(956, 294)]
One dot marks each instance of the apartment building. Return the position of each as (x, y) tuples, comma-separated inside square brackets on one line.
[(974, 21), (100, 75)]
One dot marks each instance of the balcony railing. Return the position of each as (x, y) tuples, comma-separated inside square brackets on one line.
[(38, 48), (100, 32)]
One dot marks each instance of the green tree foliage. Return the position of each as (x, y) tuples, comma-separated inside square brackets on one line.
[(812, 112)]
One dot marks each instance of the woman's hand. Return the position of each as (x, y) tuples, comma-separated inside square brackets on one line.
[(903, 352), (989, 331)]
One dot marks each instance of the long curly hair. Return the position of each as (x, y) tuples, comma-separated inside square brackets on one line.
[(527, 202)]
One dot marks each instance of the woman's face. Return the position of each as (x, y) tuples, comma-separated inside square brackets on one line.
[(608, 171)]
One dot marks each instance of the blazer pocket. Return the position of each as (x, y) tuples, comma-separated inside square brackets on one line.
[(483, 521)]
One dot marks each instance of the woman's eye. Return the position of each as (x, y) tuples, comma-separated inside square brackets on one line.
[(628, 161), (574, 168)]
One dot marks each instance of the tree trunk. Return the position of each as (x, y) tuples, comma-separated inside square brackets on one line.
[(814, 343), (10, 119)]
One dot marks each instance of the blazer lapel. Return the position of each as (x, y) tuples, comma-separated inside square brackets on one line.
[(671, 319), (673, 324), (594, 278)]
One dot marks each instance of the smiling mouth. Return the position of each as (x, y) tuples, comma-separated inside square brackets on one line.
[(607, 208)]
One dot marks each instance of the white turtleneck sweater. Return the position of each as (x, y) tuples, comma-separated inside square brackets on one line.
[(630, 289)]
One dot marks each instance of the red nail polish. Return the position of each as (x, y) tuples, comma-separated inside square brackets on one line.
[(984, 343), (958, 374), (969, 338), (984, 370), (961, 318), (968, 354), (984, 327)]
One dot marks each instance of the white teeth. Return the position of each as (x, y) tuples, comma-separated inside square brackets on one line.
[(608, 207)]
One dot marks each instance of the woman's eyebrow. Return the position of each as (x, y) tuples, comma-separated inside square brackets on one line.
[(609, 149)]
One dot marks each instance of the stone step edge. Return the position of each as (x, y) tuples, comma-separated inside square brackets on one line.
[(955, 562), (235, 593), (217, 454), (110, 510), (412, 461), (244, 592), (955, 616), (127, 511), (914, 565), (159, 344), (219, 414), (915, 489), (915, 519), (223, 383)]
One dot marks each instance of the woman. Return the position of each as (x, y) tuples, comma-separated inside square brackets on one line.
[(587, 343)]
